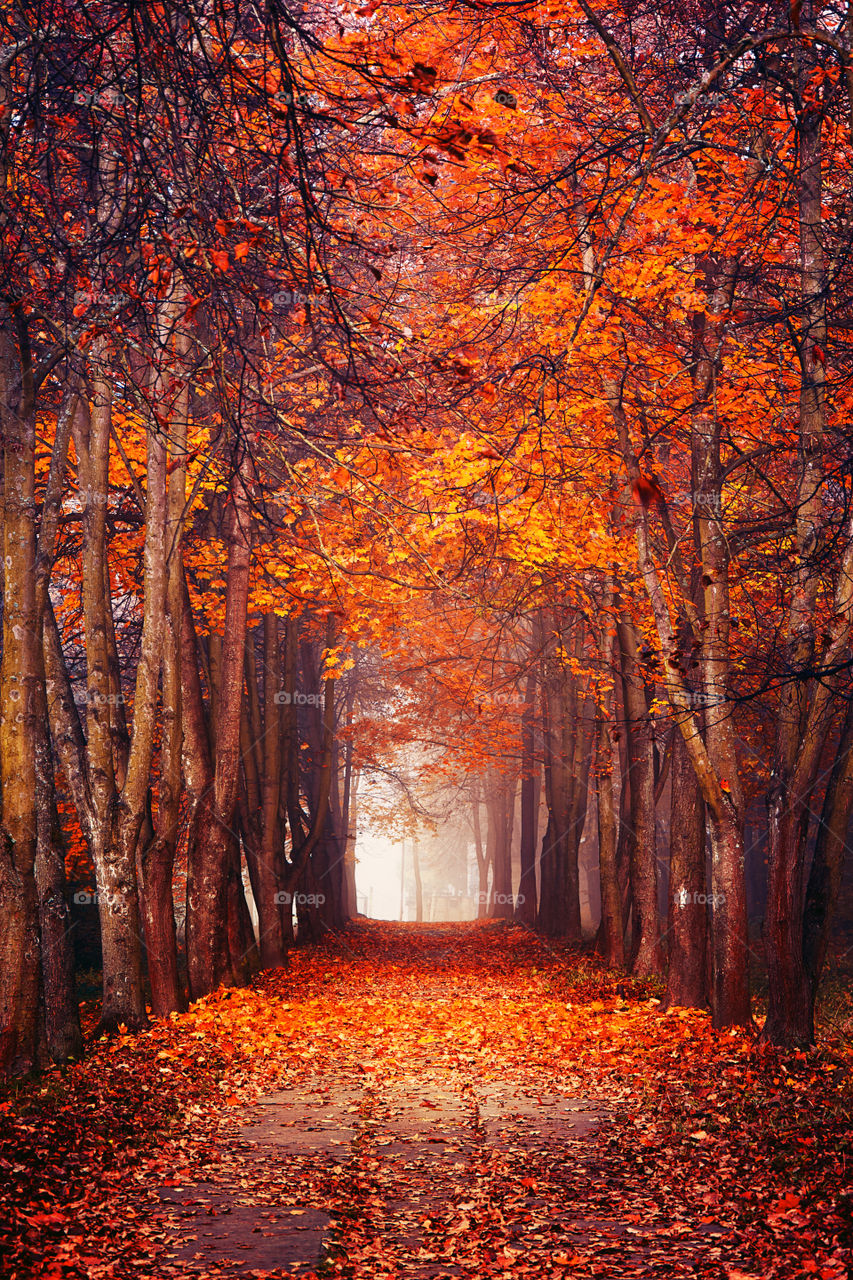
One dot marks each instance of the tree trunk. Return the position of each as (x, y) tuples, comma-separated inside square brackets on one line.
[(482, 857), (299, 870), (825, 876), (19, 673), (353, 834), (790, 1014), (612, 923), (289, 798), (206, 864), (419, 889), (272, 939), (62, 1015), (525, 908), (243, 955), (158, 917), (347, 812), (646, 958), (334, 841), (260, 823), (112, 844), (499, 809), (157, 855), (623, 839), (712, 753), (565, 792), (215, 919), (61, 1010), (687, 934), (584, 743), (322, 784)]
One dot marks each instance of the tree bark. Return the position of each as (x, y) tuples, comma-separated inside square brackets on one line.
[(347, 812), (482, 856), (525, 909), (712, 749), (61, 1010), (566, 772), (214, 929), (646, 957), (419, 888), (825, 875), (803, 716), (500, 804), (272, 944), (303, 845), (207, 962), (612, 921), (19, 676), (326, 856), (158, 850), (687, 933), (260, 821), (113, 854)]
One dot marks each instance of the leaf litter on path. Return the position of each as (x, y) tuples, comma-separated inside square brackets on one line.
[(430, 1101)]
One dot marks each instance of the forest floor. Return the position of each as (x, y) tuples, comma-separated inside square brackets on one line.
[(430, 1101)]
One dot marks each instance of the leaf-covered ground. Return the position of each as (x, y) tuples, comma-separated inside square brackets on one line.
[(698, 1153)]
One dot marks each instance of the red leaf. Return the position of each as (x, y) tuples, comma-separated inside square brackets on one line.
[(647, 492)]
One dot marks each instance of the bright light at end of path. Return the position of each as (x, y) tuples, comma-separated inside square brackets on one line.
[(377, 877)]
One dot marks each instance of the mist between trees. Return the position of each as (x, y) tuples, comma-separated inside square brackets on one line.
[(414, 416)]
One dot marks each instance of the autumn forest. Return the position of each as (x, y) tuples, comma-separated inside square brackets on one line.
[(421, 417)]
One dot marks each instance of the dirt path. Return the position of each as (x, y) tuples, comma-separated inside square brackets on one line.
[(427, 1141)]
